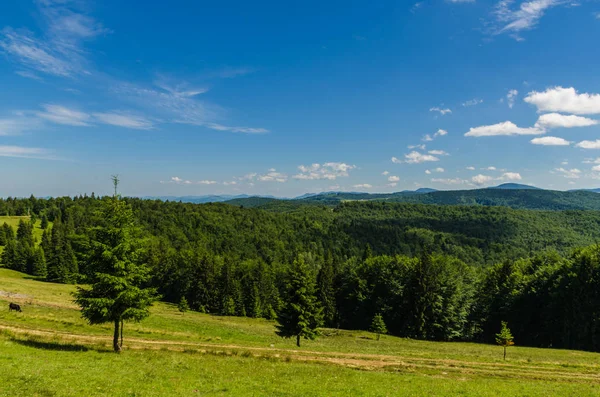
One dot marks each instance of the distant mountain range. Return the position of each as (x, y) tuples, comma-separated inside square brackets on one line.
[(512, 195)]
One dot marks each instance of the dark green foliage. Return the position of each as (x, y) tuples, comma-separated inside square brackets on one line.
[(60, 257), (117, 291), (378, 326), (39, 268), (44, 224), (301, 314), (504, 338)]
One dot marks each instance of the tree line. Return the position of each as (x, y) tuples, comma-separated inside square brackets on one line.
[(403, 268)]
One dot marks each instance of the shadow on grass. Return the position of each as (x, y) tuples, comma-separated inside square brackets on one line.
[(47, 345)]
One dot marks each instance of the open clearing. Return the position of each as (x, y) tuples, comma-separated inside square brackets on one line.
[(48, 350)]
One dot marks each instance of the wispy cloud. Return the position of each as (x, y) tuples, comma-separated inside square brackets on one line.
[(18, 125), (26, 152), (513, 20), (59, 51), (124, 120), (573, 173), (442, 111), (179, 181), (472, 102), (62, 115)]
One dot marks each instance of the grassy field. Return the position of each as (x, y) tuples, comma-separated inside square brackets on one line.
[(48, 350), (14, 222)]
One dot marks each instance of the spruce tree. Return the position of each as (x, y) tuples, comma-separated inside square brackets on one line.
[(39, 263), (183, 305), (117, 291), (378, 326), (44, 224), (504, 338), (326, 292), (301, 315), (9, 254)]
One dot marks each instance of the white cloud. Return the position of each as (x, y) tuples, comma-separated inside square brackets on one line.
[(525, 17), (124, 120), (16, 126), (453, 181), (245, 130), (179, 181), (329, 171), (393, 178), (230, 183), (557, 120), (422, 147), (438, 153), (573, 173), (565, 162), (471, 168), (550, 141), (439, 169), (60, 52), (427, 138), (178, 108), (272, 176), (589, 144), (510, 97), (472, 102), (596, 168), (62, 115), (592, 161), (490, 168), (24, 152), (385, 173), (481, 179), (427, 172), (362, 186), (568, 100), (511, 176), (396, 160), (415, 157), (440, 132), (442, 111), (503, 129), (393, 184)]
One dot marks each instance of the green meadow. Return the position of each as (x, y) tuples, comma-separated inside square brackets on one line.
[(48, 350)]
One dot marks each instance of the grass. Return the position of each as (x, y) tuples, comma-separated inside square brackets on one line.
[(48, 350)]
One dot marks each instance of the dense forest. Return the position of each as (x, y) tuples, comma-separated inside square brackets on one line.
[(430, 272), (534, 199)]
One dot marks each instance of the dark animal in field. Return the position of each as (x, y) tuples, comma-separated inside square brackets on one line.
[(14, 306)]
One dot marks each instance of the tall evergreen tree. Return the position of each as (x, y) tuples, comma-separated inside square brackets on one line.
[(378, 325), (44, 224), (117, 291), (301, 315), (326, 292), (39, 263)]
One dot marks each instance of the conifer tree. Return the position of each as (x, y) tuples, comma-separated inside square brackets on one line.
[(301, 315), (326, 292), (378, 326), (504, 338), (117, 292), (9, 254), (183, 305), (44, 224), (39, 263)]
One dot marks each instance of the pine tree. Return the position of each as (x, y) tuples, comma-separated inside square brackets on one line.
[(504, 338), (301, 315), (378, 326), (44, 224), (9, 254), (183, 305), (39, 263), (326, 292), (117, 290)]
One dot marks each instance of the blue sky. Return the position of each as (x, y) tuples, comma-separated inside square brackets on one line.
[(230, 97)]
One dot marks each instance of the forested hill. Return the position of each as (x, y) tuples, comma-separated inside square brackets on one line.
[(433, 272), (534, 199)]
